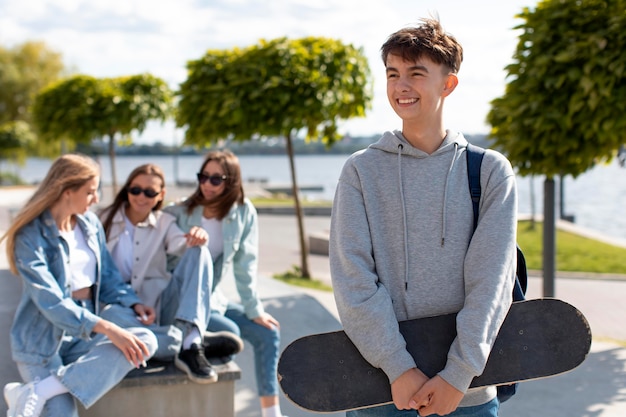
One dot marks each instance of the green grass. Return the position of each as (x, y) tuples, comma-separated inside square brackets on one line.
[(287, 202), (294, 277), (574, 253), (621, 343)]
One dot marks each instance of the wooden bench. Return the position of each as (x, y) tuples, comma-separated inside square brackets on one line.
[(163, 390)]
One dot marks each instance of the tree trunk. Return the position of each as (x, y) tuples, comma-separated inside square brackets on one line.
[(304, 250), (549, 232), (112, 161)]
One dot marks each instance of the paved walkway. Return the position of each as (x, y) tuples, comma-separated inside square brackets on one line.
[(596, 389)]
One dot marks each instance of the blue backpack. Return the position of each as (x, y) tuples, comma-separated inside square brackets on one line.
[(474, 160)]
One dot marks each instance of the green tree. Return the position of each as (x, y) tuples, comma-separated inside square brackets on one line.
[(563, 108), (24, 71), (275, 88), (16, 139), (82, 108)]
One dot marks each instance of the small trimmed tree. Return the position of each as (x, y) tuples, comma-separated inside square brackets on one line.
[(563, 109), (83, 108), (275, 88)]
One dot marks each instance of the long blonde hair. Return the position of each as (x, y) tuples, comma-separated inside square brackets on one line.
[(68, 172)]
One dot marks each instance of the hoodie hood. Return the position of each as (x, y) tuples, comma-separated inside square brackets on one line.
[(395, 142)]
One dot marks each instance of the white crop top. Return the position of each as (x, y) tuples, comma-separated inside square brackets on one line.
[(82, 259)]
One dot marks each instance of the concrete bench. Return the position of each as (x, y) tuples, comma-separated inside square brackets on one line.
[(163, 390), (318, 243)]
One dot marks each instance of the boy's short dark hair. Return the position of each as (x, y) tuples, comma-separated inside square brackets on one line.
[(429, 40)]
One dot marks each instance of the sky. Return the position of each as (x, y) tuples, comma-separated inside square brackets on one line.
[(110, 38)]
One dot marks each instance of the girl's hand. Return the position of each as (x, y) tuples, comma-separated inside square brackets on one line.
[(197, 236), (266, 320), (145, 314), (135, 351)]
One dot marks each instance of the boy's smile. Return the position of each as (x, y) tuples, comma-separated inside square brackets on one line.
[(416, 89)]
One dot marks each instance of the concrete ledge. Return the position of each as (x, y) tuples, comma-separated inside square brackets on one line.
[(318, 243), (163, 390)]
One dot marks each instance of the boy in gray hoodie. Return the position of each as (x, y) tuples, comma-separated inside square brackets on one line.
[(401, 242)]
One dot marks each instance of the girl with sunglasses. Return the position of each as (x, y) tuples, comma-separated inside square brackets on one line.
[(141, 238), (218, 206), (67, 348)]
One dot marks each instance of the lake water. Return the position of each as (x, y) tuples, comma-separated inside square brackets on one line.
[(597, 199)]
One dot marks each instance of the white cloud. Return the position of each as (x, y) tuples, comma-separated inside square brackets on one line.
[(121, 37)]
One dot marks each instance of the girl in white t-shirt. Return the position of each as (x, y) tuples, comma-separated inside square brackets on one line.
[(67, 348), (219, 205)]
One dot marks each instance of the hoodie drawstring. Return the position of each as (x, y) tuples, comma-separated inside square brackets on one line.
[(404, 215), (445, 195), (404, 221)]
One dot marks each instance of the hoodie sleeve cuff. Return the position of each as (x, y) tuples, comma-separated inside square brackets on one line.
[(397, 364), (457, 375)]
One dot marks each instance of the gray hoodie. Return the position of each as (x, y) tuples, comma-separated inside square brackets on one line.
[(400, 249)]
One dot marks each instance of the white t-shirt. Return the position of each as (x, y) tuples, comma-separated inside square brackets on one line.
[(82, 259), (216, 239)]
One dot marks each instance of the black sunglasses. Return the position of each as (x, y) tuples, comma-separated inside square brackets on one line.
[(213, 179), (148, 192)]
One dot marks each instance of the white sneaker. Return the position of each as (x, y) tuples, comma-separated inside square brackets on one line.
[(22, 400)]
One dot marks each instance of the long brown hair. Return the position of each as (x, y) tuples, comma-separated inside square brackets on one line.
[(233, 190), (68, 172), (121, 199)]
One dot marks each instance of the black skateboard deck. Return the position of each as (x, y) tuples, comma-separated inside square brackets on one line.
[(539, 338)]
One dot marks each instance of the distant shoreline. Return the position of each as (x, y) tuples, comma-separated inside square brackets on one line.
[(19, 194), (270, 147)]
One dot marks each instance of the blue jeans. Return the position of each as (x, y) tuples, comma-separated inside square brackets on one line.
[(185, 299), (489, 409), (265, 342), (87, 368)]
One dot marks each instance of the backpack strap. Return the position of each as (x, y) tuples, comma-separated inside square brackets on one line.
[(521, 279), (474, 155)]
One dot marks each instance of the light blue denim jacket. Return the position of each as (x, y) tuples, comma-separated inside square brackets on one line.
[(46, 312), (240, 258)]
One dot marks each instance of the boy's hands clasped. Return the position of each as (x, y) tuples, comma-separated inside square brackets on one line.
[(413, 390)]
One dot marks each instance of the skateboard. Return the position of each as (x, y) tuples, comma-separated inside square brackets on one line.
[(539, 338)]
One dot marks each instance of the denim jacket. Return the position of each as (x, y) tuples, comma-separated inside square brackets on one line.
[(240, 258), (46, 312)]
